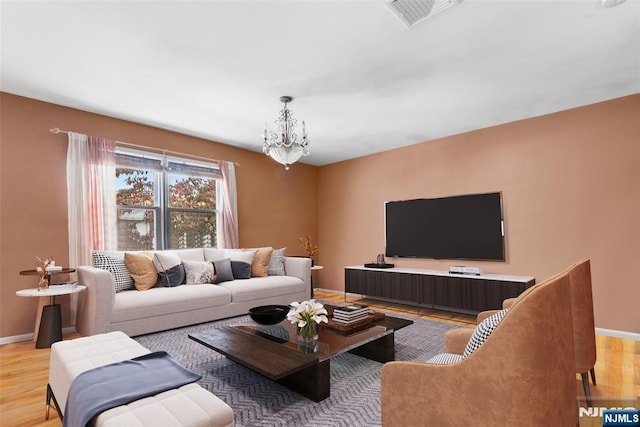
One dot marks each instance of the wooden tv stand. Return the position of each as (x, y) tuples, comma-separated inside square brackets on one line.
[(435, 288)]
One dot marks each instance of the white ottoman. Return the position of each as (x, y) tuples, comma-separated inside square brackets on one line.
[(189, 405)]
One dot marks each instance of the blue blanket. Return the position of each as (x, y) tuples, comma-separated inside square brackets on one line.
[(106, 387)]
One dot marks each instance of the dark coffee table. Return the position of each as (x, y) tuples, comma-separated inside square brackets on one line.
[(275, 352)]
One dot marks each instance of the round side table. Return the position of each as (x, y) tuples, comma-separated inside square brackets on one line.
[(48, 326)]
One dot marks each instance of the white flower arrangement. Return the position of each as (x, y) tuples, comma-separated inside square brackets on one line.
[(307, 315)]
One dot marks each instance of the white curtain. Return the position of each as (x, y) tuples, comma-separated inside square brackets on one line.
[(228, 223), (91, 201)]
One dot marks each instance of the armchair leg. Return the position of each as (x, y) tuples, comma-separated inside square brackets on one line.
[(585, 386), (593, 375)]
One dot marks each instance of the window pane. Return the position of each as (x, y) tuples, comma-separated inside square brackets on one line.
[(193, 229), (136, 229), (191, 192), (135, 187)]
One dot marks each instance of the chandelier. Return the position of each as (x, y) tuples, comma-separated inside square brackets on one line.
[(282, 144)]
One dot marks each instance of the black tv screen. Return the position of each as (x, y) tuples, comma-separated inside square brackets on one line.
[(458, 227)]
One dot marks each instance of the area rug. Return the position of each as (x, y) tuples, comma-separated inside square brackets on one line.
[(258, 401)]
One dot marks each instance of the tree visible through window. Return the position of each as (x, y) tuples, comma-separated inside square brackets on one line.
[(192, 211), (165, 203)]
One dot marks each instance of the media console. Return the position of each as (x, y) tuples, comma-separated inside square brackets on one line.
[(435, 288)]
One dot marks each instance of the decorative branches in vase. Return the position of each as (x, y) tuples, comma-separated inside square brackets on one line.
[(308, 246), (41, 267)]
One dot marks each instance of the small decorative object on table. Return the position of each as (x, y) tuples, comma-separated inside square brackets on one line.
[(307, 314), (308, 246), (43, 269)]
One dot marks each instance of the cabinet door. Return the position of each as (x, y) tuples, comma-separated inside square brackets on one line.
[(426, 288), (354, 281)]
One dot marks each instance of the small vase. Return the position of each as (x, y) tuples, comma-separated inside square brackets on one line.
[(308, 332)]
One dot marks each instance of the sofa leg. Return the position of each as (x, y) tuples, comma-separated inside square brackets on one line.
[(593, 375), (585, 386)]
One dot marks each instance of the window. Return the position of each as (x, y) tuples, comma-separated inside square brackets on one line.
[(165, 202)]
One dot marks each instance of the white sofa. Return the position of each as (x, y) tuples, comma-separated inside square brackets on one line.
[(101, 309)]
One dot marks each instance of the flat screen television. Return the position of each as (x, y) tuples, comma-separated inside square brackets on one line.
[(457, 227)]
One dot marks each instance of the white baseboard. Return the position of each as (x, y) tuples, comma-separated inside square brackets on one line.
[(618, 334), (29, 337)]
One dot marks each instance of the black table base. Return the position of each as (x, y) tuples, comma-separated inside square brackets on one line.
[(50, 330)]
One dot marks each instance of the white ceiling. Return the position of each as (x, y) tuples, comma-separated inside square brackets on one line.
[(362, 80)]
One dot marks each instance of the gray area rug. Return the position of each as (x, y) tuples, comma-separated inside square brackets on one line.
[(258, 401)]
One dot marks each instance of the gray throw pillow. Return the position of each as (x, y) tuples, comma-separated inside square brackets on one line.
[(276, 263), (223, 270), (241, 270), (172, 277)]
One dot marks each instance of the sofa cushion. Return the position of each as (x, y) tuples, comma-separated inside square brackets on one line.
[(240, 270), (141, 269), (164, 260), (483, 331), (260, 264), (192, 254), (114, 264), (241, 255), (133, 305), (213, 254), (257, 288), (223, 270), (198, 271), (276, 263)]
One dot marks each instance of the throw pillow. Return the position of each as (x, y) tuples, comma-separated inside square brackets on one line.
[(445, 359), (198, 271), (141, 269), (164, 260), (170, 268), (173, 276), (114, 265), (276, 263), (260, 264), (223, 270), (482, 332), (241, 270)]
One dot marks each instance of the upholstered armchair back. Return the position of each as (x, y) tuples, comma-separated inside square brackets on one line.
[(524, 373), (584, 335)]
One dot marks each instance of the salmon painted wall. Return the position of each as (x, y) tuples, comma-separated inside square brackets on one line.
[(571, 190), (274, 206)]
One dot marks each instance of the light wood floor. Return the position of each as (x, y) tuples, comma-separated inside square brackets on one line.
[(24, 370)]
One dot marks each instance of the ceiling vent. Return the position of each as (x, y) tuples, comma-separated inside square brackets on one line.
[(411, 12)]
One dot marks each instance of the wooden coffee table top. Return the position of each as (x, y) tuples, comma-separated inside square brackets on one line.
[(274, 351)]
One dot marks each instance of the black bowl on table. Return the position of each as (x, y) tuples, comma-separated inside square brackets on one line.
[(269, 314)]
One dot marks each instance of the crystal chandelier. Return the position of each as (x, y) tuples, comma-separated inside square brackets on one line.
[(282, 144)]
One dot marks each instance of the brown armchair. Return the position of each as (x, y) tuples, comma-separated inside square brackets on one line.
[(522, 375), (584, 333)]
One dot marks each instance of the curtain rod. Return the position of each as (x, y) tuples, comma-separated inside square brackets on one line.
[(144, 147)]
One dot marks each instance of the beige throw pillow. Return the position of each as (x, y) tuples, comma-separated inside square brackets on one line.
[(260, 264), (141, 268)]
